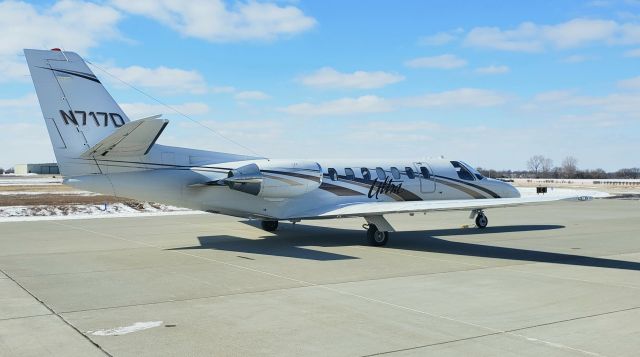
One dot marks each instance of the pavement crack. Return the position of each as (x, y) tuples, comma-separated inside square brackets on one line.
[(53, 312)]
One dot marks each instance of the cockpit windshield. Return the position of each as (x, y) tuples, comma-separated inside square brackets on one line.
[(464, 172), (473, 171)]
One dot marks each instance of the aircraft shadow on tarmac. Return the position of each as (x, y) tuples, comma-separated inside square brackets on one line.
[(292, 242)]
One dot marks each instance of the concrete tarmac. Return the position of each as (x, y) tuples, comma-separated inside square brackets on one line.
[(555, 280)]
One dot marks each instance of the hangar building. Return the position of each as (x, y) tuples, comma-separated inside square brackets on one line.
[(41, 169)]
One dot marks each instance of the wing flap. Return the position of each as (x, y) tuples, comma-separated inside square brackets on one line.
[(135, 138), (380, 208)]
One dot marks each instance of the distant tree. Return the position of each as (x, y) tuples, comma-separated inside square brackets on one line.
[(632, 173), (491, 173), (1, 170), (535, 163), (569, 167), (547, 166), (9, 171), (591, 174)]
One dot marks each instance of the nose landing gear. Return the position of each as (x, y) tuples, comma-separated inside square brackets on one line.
[(481, 219)]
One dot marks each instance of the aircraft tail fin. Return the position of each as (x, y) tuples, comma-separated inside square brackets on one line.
[(78, 110)]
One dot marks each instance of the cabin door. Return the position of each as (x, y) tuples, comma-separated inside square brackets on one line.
[(427, 181)]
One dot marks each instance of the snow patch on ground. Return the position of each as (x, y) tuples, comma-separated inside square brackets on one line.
[(138, 326), (115, 210), (62, 193), (21, 181), (554, 191)]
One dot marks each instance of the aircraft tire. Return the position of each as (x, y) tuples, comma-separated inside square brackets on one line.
[(481, 221), (269, 226), (375, 237)]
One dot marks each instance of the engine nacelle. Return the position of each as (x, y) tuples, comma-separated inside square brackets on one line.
[(276, 179)]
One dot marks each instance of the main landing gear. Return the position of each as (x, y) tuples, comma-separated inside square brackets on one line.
[(378, 229), (377, 238), (481, 218), (269, 226)]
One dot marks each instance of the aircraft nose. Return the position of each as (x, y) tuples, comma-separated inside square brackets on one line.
[(511, 191)]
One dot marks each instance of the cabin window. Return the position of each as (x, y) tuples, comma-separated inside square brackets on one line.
[(462, 171), (425, 172), (365, 173), (381, 174), (333, 174), (410, 173), (395, 173), (350, 175)]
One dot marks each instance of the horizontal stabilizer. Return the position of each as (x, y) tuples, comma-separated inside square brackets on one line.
[(135, 138)]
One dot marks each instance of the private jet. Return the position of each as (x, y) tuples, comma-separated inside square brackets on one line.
[(99, 149)]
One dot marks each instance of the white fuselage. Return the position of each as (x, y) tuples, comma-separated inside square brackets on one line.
[(287, 189)]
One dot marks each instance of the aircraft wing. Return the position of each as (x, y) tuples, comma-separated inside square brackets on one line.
[(381, 208), (134, 138)]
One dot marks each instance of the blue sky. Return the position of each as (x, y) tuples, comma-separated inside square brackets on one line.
[(491, 82)]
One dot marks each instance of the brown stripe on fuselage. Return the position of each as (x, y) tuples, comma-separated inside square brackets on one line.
[(466, 190), (339, 190), (479, 187), (359, 182), (404, 195), (407, 195)]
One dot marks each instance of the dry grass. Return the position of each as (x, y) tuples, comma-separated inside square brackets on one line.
[(58, 196), (53, 199), (38, 188)]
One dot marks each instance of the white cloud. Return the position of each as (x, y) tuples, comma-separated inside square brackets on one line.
[(531, 37), (212, 20), (579, 32), (493, 69), (576, 59), (171, 80), (23, 139), (627, 15), (463, 97), (328, 77), (68, 24), (344, 106), (523, 38), (599, 3), (260, 135), (142, 110), (27, 101), (24, 109), (631, 83), (441, 38), (223, 89), (24, 142), (625, 105), (553, 96), (251, 95), (468, 97), (633, 53), (246, 129), (408, 132), (446, 61)]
